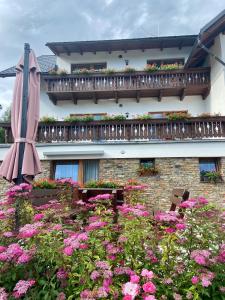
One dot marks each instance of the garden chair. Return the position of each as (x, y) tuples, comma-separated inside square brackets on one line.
[(178, 196)]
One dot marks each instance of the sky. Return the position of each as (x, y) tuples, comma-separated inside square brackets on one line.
[(41, 21)]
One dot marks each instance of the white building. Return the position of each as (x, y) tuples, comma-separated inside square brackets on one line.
[(93, 80)]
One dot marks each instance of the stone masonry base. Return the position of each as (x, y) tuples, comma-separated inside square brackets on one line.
[(173, 173)]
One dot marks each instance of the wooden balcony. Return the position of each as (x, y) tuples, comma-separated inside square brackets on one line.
[(136, 85), (126, 131)]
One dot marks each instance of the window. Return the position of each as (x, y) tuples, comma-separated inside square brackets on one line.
[(147, 163), (207, 166), (159, 62), (78, 170), (89, 66), (91, 169), (163, 114), (98, 116), (64, 169)]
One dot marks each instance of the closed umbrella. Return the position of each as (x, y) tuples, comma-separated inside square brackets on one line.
[(22, 162)]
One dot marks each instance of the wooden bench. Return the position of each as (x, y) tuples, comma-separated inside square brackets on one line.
[(178, 196)]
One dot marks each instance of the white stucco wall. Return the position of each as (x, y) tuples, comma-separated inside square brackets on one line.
[(137, 58), (203, 148), (215, 102), (193, 104)]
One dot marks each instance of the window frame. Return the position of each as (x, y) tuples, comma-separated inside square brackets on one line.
[(67, 162), (147, 159), (162, 61), (166, 113), (88, 115), (215, 160), (88, 66)]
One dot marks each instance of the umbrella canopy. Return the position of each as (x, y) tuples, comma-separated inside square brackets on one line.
[(31, 164)]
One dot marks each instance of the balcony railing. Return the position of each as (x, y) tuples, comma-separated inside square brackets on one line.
[(126, 131), (121, 85)]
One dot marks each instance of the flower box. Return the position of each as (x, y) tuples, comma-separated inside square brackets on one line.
[(43, 196)]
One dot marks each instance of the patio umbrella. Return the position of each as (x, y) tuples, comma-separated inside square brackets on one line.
[(22, 162)]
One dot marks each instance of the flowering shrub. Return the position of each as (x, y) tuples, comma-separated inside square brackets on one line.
[(89, 256)]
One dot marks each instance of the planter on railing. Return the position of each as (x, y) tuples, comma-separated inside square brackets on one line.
[(126, 81), (127, 130)]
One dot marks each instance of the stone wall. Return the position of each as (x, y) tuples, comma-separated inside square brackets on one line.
[(173, 173), (4, 185)]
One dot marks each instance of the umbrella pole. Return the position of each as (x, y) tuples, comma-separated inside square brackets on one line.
[(23, 130)]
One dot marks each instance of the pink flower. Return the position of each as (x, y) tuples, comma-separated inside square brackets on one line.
[(150, 297), (170, 230), (8, 234), (149, 287), (104, 265), (134, 279), (130, 289), (62, 274), (24, 258), (57, 227), (2, 249), (61, 296), (68, 251), (188, 203), (177, 296), (3, 294), (95, 275), (206, 282), (167, 216), (148, 274), (180, 226), (29, 230), (128, 297), (96, 225), (38, 217), (22, 287), (194, 279), (200, 256)]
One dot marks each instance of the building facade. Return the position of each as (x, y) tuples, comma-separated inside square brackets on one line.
[(151, 109)]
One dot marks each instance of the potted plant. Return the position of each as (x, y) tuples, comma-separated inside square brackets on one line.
[(147, 170), (45, 190), (119, 117), (211, 176), (167, 67), (109, 71), (79, 119), (176, 116), (129, 70), (48, 119), (151, 68), (144, 117)]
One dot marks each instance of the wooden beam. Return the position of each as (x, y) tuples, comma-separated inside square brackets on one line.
[(95, 98), (182, 94), (74, 98), (160, 95), (53, 98), (66, 50), (180, 45), (205, 93), (138, 96), (116, 97)]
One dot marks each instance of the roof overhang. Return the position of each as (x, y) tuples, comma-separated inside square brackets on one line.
[(122, 44), (206, 37)]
